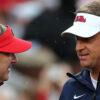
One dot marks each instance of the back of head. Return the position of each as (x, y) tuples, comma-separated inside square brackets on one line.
[(91, 8)]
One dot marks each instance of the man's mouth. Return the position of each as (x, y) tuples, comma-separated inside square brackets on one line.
[(83, 56), (9, 68)]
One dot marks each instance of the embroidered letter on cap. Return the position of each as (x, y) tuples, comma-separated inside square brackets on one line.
[(80, 19)]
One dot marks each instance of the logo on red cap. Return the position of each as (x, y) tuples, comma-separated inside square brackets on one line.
[(80, 19)]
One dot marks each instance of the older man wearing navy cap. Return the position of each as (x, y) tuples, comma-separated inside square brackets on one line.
[(86, 28), (9, 45)]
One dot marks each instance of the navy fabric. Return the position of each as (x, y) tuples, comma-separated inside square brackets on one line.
[(79, 87)]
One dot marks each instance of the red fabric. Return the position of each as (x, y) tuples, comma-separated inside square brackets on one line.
[(5, 5), (41, 96), (10, 44), (1, 83)]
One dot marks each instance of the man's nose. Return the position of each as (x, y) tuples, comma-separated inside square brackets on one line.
[(13, 58), (79, 46)]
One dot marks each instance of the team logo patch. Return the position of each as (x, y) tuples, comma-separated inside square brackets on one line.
[(80, 19)]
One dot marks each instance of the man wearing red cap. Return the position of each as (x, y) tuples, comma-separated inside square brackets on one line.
[(9, 45), (86, 28)]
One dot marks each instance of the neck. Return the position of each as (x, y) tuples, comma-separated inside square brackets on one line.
[(95, 73)]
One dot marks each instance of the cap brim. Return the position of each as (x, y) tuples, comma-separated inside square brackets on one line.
[(16, 46), (81, 31)]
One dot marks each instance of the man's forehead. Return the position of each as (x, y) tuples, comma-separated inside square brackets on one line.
[(96, 35)]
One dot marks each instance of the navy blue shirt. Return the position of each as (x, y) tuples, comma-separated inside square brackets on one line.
[(80, 87)]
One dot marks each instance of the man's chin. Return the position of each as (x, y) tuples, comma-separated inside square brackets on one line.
[(85, 66), (6, 77)]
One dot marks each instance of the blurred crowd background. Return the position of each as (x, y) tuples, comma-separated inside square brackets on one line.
[(40, 72)]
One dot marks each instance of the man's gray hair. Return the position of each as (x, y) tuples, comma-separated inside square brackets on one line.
[(91, 8), (2, 29)]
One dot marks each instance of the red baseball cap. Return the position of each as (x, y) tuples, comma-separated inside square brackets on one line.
[(10, 44)]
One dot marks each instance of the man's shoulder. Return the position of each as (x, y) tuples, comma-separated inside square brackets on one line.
[(74, 84), (77, 78), (68, 89), (71, 82)]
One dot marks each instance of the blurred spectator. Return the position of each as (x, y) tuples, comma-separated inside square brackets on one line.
[(47, 29), (22, 14), (5, 5), (3, 18), (28, 93), (37, 56), (7, 93), (51, 4), (51, 80)]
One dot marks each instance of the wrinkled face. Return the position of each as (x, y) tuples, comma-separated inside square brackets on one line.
[(6, 61), (88, 51)]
